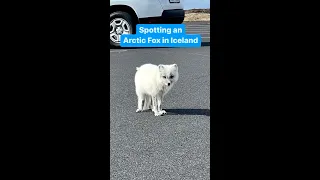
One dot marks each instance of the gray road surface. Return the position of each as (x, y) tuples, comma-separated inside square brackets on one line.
[(202, 28), (174, 146)]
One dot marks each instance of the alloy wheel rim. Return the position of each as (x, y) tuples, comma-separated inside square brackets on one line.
[(118, 26)]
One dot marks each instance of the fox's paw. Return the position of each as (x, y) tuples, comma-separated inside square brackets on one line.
[(138, 110), (163, 112), (157, 113), (160, 113)]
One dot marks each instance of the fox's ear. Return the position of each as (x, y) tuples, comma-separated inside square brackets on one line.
[(161, 66), (175, 66)]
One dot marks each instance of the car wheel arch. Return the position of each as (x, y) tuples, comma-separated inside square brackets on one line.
[(127, 9)]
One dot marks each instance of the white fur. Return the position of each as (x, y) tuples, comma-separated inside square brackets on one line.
[(151, 86)]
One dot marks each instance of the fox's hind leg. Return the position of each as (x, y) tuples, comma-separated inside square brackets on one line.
[(147, 104), (141, 101)]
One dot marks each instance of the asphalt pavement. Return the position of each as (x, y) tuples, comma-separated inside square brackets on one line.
[(174, 146), (202, 28)]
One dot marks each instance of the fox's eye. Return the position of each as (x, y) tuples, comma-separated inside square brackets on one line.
[(171, 77), (164, 77)]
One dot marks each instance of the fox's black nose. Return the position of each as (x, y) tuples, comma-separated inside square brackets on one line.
[(168, 84)]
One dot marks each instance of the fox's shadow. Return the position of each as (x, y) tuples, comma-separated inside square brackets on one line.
[(203, 112)]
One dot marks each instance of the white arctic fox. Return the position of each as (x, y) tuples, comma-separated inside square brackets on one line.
[(152, 83)]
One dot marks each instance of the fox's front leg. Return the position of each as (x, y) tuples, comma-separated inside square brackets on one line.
[(155, 106), (160, 100)]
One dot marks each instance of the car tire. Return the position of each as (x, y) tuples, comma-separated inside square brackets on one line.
[(120, 23)]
